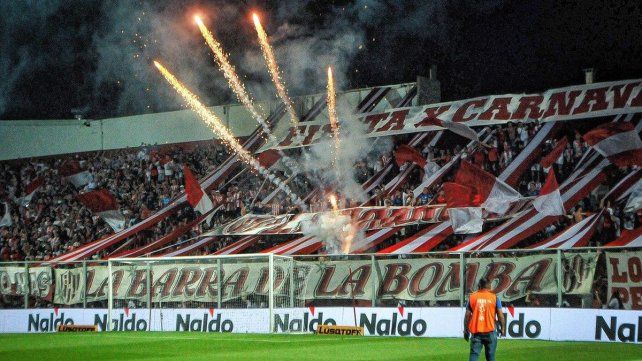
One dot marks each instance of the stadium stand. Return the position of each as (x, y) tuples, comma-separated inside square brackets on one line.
[(51, 219)]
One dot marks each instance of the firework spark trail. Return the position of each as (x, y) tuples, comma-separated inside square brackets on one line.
[(348, 232), (331, 100), (237, 86), (214, 123), (273, 69)]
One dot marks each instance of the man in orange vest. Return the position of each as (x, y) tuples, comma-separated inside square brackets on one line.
[(483, 308)]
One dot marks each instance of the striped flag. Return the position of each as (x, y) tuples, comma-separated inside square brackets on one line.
[(617, 141), (196, 198), (549, 202)]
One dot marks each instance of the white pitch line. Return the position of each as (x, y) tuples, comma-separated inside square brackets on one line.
[(225, 339)]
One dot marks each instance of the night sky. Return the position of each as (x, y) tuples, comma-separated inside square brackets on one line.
[(96, 55)]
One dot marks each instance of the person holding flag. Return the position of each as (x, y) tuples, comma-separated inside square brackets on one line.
[(483, 309)]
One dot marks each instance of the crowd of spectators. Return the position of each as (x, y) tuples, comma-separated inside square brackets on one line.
[(146, 179)]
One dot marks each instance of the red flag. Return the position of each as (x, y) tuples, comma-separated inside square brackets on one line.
[(69, 168), (34, 185), (495, 195), (406, 153), (458, 195), (554, 154), (617, 141), (195, 196), (102, 203), (268, 158), (72, 172), (98, 201)]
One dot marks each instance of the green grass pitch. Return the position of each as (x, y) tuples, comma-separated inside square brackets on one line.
[(196, 346)]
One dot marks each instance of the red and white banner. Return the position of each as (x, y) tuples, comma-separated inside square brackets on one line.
[(364, 218), (554, 154), (575, 102), (238, 246), (527, 156), (625, 276), (628, 239), (577, 235), (624, 189), (422, 241)]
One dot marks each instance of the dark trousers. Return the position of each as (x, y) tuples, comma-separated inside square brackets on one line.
[(486, 340)]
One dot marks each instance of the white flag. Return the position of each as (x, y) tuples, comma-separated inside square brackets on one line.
[(466, 220), (6, 219)]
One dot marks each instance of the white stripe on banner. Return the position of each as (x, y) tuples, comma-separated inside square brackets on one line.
[(412, 246), (572, 235), (536, 142)]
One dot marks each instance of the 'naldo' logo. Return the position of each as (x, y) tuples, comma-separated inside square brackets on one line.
[(520, 328), (283, 323), (207, 323), (47, 324), (625, 331), (124, 322), (402, 326)]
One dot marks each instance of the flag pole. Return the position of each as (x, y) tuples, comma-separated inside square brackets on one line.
[(354, 307)]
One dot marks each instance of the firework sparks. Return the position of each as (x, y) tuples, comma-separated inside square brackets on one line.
[(348, 238), (237, 86), (273, 68), (333, 202), (214, 123), (229, 72), (332, 114)]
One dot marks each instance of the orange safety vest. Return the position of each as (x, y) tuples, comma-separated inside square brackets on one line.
[(483, 305)]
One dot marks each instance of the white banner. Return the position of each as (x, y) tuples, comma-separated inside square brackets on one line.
[(625, 277), (556, 324), (575, 102), (417, 279), (13, 281)]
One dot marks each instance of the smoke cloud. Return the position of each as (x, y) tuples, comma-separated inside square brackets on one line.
[(56, 55)]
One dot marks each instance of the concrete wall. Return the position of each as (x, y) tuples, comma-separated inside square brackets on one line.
[(34, 138)]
